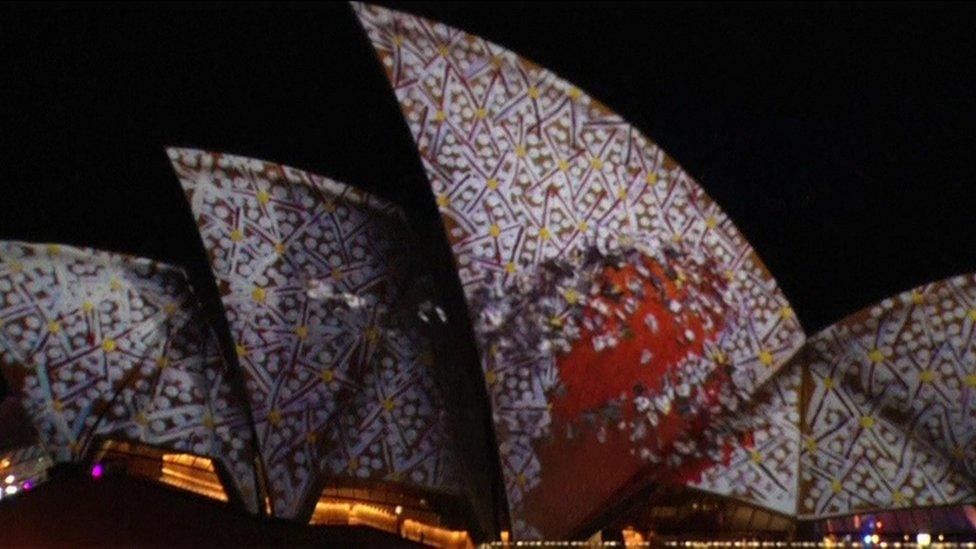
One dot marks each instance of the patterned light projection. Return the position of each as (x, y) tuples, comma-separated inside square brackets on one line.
[(760, 463), (312, 274), (105, 345), (616, 306), (888, 414), (891, 419)]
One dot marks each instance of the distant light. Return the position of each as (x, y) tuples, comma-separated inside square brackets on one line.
[(923, 539), (398, 510), (875, 538), (941, 537), (10, 490), (879, 525), (10, 479), (97, 471), (27, 485), (867, 539)]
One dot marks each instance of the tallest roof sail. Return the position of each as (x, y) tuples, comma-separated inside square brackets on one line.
[(616, 306)]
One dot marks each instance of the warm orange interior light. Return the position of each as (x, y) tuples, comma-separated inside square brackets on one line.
[(192, 473), (334, 512)]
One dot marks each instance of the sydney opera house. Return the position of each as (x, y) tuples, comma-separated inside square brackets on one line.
[(640, 377)]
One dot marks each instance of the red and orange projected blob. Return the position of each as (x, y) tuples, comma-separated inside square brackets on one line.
[(312, 275), (105, 345), (617, 309)]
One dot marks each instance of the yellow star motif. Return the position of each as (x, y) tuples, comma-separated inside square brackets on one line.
[(492, 183), (263, 197), (756, 457), (676, 238), (480, 113), (443, 201), (389, 405), (729, 275), (311, 438), (16, 266), (279, 248), (520, 151), (54, 326), (785, 312), (571, 296), (510, 268), (236, 235), (556, 322), (162, 362), (583, 226), (917, 298), (87, 306), (241, 350), (336, 273), (371, 334), (533, 92), (835, 486), (53, 249), (927, 376), (573, 93), (898, 498), (621, 193), (544, 233), (867, 422), (327, 375), (274, 416), (970, 380), (142, 419), (114, 285), (811, 445), (258, 294), (330, 207), (443, 50), (828, 383), (108, 345), (494, 231), (440, 116), (301, 332), (766, 357), (651, 178), (57, 405), (562, 165), (398, 40), (711, 222), (491, 377), (718, 356), (353, 464), (597, 163), (876, 355), (521, 479), (208, 420)]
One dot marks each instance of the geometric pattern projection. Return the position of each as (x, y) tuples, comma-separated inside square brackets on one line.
[(889, 410), (98, 344), (894, 391), (311, 275), (579, 243), (761, 463)]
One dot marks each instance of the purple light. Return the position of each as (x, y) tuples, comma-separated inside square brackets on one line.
[(97, 470), (27, 485)]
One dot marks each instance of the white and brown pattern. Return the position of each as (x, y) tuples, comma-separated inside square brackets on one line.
[(527, 168), (908, 366), (311, 274), (100, 344), (761, 464)]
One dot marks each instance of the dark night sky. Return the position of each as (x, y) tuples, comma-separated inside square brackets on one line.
[(839, 139)]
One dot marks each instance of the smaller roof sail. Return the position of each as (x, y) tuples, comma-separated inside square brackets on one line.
[(616, 307), (893, 389), (885, 416), (312, 276), (97, 344)]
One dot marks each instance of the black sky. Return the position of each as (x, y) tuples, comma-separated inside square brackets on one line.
[(839, 139)]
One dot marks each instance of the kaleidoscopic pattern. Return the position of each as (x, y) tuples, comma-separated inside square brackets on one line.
[(337, 373), (892, 414), (533, 176), (98, 344), (761, 466)]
